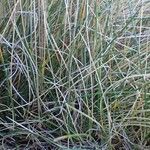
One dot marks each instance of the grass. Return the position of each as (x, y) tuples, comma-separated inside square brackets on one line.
[(74, 74)]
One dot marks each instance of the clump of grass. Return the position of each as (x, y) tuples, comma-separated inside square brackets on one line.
[(74, 74)]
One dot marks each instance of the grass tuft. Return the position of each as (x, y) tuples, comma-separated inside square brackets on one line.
[(74, 74)]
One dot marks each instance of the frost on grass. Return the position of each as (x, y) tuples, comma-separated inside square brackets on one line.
[(74, 74)]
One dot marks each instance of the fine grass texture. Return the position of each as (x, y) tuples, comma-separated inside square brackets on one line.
[(75, 74)]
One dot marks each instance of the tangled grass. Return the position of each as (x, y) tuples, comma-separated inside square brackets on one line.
[(75, 74)]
